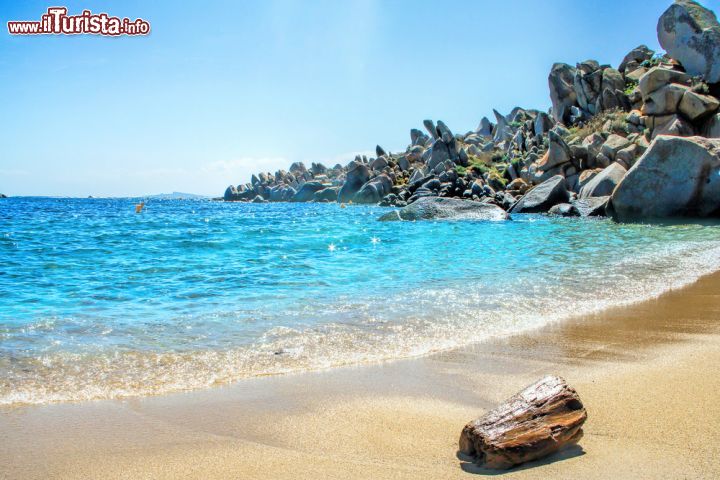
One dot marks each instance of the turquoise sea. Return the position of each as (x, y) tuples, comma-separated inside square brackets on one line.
[(99, 302)]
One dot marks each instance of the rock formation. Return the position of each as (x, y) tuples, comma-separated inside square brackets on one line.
[(566, 161), (691, 35), (676, 177)]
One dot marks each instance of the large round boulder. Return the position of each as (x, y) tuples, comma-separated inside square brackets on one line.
[(690, 34), (676, 177)]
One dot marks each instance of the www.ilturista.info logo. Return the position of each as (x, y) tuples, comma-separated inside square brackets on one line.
[(57, 22)]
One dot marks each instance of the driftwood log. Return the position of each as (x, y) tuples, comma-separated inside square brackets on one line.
[(542, 419)]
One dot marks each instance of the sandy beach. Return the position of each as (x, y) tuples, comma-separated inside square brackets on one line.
[(647, 374)]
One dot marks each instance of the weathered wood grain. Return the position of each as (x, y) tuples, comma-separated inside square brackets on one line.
[(542, 419)]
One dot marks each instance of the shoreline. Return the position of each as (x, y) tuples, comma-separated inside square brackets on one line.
[(644, 372), (401, 333)]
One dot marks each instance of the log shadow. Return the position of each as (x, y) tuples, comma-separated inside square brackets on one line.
[(467, 462)]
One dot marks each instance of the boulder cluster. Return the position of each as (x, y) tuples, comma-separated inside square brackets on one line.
[(626, 142)]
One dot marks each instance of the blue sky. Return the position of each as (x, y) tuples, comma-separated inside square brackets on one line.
[(221, 89)]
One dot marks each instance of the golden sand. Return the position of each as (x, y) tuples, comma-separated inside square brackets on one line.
[(646, 373)]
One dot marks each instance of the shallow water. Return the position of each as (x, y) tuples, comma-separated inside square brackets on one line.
[(98, 302)]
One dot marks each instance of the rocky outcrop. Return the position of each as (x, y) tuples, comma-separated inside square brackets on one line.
[(307, 191), (598, 88), (374, 190), (432, 208), (601, 123), (690, 34), (590, 206), (282, 193), (357, 175), (543, 197), (329, 194), (676, 177), (230, 194)]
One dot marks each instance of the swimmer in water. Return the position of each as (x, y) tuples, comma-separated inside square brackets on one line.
[(139, 207)]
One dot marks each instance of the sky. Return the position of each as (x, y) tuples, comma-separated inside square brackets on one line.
[(222, 89)]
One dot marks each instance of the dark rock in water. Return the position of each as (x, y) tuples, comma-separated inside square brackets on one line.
[(379, 151), (690, 34), (429, 208), (604, 182), (231, 194), (307, 191), (329, 194), (259, 199), (563, 210), (591, 206), (543, 197), (374, 190), (358, 174), (675, 177), (2, 195)]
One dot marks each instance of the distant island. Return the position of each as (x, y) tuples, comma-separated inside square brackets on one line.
[(177, 196)]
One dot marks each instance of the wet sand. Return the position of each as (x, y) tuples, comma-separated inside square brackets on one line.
[(648, 375)]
